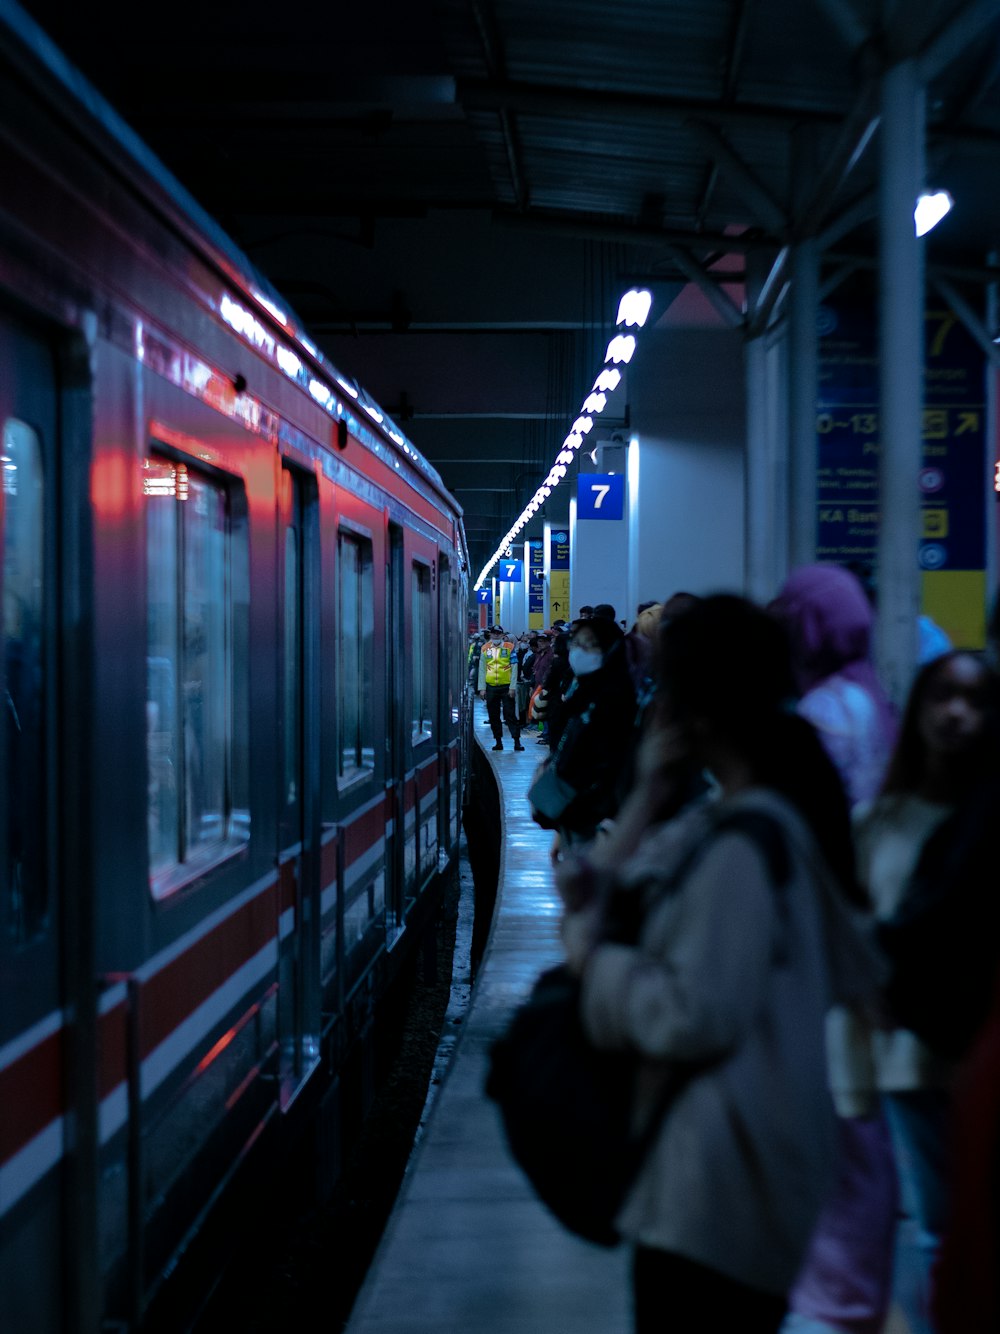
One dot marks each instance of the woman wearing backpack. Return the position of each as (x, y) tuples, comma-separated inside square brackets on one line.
[(733, 969)]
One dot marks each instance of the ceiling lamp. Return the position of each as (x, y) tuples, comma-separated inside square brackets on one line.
[(930, 209), (608, 379), (634, 308), (621, 348)]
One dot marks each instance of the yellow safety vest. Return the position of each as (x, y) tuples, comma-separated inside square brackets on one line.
[(497, 658)]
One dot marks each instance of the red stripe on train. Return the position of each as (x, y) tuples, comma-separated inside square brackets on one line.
[(172, 994), (31, 1094)]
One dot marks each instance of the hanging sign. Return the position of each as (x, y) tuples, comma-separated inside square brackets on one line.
[(536, 586), (600, 495), (510, 572)]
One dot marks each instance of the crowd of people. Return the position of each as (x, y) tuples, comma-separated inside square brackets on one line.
[(774, 878)]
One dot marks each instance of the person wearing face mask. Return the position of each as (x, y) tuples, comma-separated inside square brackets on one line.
[(498, 685), (596, 721)]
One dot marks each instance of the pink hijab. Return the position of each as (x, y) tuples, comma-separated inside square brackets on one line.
[(830, 621)]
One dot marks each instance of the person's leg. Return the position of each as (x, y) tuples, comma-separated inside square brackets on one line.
[(510, 717), (675, 1295), (493, 711), (918, 1120)]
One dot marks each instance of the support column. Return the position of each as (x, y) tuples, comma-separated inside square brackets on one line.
[(765, 504), (901, 329), (803, 387), (992, 483)]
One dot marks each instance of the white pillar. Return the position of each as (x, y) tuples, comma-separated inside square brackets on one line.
[(901, 329), (803, 392), (765, 472), (599, 547)]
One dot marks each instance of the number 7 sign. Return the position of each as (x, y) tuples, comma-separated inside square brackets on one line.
[(600, 495), (510, 571)]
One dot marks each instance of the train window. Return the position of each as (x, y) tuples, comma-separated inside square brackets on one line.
[(356, 656), (25, 900), (422, 677), (195, 699)]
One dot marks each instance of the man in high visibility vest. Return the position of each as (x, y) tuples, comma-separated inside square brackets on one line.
[(498, 685)]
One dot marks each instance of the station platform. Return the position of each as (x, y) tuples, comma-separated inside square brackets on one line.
[(468, 1247)]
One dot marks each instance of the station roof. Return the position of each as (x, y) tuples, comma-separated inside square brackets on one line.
[(452, 193)]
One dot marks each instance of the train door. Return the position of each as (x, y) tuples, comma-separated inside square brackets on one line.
[(298, 768), (45, 1132), (395, 714)]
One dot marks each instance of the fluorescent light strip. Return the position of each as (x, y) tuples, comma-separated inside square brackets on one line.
[(633, 310)]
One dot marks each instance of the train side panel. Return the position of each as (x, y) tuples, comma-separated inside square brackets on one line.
[(232, 666)]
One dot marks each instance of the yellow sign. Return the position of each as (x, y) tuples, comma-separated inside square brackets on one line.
[(559, 596), (935, 523)]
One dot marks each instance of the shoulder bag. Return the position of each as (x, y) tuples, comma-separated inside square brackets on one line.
[(550, 795)]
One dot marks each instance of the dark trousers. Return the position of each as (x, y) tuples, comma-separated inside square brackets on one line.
[(674, 1295), (497, 696)]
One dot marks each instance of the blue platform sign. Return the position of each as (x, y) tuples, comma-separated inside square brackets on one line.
[(951, 549), (483, 594), (510, 572), (600, 495)]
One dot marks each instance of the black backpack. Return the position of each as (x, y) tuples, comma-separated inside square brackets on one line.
[(567, 1107)]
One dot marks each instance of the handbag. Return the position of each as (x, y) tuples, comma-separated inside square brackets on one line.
[(567, 1109), (567, 1106), (536, 705), (549, 796)]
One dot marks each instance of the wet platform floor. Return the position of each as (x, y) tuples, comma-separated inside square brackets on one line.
[(468, 1247)]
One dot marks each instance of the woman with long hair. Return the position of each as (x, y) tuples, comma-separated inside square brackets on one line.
[(746, 934), (948, 749)]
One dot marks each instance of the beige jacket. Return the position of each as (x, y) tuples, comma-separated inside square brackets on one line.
[(737, 975)]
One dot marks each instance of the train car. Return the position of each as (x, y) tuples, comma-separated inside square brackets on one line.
[(234, 602)]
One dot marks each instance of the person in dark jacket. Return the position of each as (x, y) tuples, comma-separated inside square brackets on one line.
[(594, 726)]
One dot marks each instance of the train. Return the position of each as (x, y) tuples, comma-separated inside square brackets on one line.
[(234, 720)]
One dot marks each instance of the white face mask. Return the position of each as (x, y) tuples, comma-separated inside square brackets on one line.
[(585, 660)]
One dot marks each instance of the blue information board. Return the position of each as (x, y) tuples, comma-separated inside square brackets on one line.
[(600, 495), (510, 572), (558, 549), (536, 586), (483, 594)]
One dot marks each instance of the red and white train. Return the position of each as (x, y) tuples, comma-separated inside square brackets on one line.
[(234, 603)]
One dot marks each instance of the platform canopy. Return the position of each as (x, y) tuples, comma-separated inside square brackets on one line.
[(452, 193)]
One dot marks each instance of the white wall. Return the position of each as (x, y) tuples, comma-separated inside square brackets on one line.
[(687, 405)]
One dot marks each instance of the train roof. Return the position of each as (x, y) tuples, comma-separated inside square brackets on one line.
[(22, 39)]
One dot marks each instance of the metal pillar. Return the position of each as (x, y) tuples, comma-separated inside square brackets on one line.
[(992, 487), (765, 503), (901, 321), (803, 388)]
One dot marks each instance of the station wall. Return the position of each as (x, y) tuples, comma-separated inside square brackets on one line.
[(687, 405)]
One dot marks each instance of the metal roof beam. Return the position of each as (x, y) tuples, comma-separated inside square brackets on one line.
[(863, 209), (767, 298), (954, 36), (766, 208), (853, 137), (968, 316), (845, 18), (548, 100), (713, 294), (493, 53), (624, 230)]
